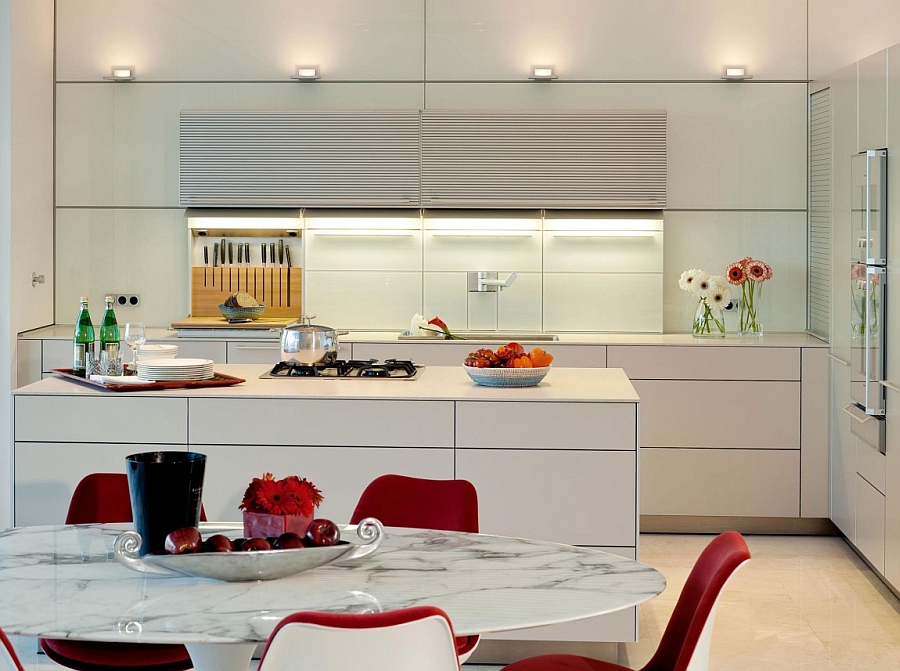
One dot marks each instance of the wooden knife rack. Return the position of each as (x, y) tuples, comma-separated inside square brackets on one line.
[(279, 289)]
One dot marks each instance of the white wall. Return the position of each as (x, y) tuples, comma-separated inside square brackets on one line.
[(737, 151), (842, 32)]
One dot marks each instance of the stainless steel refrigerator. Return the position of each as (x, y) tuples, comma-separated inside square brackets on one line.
[(867, 281)]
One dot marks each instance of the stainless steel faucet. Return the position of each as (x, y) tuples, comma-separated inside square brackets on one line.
[(484, 280)]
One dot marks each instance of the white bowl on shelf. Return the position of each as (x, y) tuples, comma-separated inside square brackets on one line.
[(157, 352)]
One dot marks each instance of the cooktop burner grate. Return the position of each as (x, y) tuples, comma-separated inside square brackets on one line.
[(368, 369)]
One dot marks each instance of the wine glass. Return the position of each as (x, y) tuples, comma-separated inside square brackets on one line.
[(134, 338)]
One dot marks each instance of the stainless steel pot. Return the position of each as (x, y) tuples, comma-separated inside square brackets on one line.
[(309, 344)]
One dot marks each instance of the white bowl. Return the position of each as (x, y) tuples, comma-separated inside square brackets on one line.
[(157, 352), (507, 377)]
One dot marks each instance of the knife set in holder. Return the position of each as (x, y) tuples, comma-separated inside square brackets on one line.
[(278, 288)]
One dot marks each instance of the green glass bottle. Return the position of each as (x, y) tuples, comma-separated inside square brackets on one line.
[(84, 340), (109, 333)]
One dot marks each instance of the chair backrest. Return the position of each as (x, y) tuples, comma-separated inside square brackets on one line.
[(685, 644), (9, 661), (103, 498), (401, 501), (410, 639)]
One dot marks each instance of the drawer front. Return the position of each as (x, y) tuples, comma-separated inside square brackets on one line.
[(193, 349), (101, 419), (719, 362), (742, 483), (571, 426), (575, 497), (232, 421), (268, 352), (58, 354), (47, 473), (340, 473), (870, 464), (870, 522), (427, 354), (698, 413)]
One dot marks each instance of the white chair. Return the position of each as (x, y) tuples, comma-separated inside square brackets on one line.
[(8, 659), (410, 639)]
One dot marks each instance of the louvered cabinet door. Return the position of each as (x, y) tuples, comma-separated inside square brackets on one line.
[(591, 159), (299, 158)]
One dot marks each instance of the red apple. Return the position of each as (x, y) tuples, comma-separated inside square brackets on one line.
[(255, 545), (322, 532), (288, 541), (217, 543), (183, 541)]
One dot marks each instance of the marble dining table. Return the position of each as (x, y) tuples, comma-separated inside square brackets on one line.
[(64, 582)]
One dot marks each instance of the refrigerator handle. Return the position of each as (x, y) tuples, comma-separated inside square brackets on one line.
[(869, 429)]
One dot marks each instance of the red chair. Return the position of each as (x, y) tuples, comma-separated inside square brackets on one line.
[(9, 661), (685, 643), (410, 639), (104, 498), (402, 501)]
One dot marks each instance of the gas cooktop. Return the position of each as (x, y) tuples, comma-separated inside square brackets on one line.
[(369, 369)]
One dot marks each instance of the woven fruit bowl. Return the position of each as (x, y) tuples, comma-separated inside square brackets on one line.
[(507, 377), (241, 314)]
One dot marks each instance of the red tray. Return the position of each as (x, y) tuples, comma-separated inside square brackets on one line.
[(218, 380)]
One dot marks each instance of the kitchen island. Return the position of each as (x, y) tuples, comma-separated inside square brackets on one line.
[(555, 462)]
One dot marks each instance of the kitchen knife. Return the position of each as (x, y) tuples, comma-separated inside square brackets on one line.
[(272, 274), (264, 272), (215, 261), (280, 272), (205, 262), (230, 262), (222, 265), (240, 261), (287, 257), (281, 252), (247, 269)]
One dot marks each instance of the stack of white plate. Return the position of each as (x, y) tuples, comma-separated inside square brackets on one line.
[(157, 352), (168, 370)]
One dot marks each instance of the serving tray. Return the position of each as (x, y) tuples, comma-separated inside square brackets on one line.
[(218, 380)]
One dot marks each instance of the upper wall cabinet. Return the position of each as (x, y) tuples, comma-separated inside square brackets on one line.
[(729, 146), (239, 40), (118, 144), (873, 105), (473, 40)]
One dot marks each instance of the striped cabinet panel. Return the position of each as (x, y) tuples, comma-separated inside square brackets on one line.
[(590, 159), (299, 158)]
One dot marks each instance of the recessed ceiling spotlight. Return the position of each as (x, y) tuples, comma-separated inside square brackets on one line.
[(542, 73)]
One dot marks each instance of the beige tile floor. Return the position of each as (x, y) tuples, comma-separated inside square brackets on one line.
[(802, 604)]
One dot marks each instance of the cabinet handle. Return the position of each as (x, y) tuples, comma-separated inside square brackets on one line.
[(890, 385), (841, 361), (849, 410)]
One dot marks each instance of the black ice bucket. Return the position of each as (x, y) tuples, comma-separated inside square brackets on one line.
[(166, 489)]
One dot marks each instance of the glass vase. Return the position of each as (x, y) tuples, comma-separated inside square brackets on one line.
[(708, 322), (749, 325)]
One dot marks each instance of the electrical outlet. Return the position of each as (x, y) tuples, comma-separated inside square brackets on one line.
[(126, 300)]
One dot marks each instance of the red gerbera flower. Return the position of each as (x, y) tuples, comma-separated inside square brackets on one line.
[(736, 274), (289, 496), (756, 270)]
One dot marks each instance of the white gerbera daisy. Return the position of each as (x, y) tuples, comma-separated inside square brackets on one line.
[(686, 280), (718, 295), (700, 285)]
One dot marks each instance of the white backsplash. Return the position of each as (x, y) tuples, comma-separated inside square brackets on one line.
[(377, 283)]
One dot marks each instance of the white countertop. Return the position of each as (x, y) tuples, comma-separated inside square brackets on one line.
[(607, 385), (64, 332)]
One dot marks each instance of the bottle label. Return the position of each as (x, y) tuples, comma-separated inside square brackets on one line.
[(80, 354), (111, 349)]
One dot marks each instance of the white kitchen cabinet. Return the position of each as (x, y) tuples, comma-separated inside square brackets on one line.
[(706, 363), (468, 40), (28, 361), (719, 414), (843, 454), (729, 146), (234, 40), (375, 423), (118, 418), (870, 465), (576, 497), (341, 473), (46, 474), (705, 482), (892, 490), (873, 105), (58, 353), (815, 393), (870, 513), (118, 145)]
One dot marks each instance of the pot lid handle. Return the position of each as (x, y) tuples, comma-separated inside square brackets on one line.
[(307, 319)]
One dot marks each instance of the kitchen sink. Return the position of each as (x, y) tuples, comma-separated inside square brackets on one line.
[(490, 336)]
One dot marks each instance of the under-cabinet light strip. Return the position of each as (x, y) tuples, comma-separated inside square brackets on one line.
[(603, 234), (362, 231), (483, 234)]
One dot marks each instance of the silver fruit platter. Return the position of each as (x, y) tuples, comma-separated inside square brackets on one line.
[(244, 566)]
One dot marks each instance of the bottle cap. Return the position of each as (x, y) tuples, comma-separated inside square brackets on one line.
[(83, 299), (108, 297)]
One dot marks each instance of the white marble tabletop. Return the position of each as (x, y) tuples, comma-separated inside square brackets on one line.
[(61, 582)]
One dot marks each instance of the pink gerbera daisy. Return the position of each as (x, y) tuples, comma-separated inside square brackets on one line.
[(735, 273), (756, 270)]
